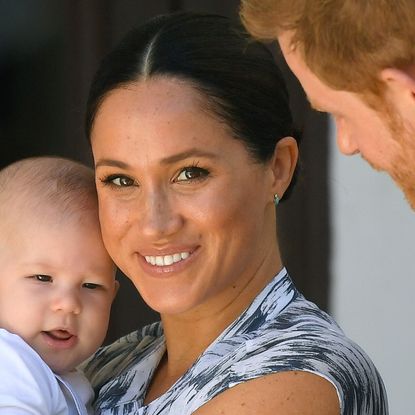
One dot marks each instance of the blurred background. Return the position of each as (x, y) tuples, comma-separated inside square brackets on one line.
[(347, 234)]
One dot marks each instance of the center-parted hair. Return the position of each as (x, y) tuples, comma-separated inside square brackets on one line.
[(235, 75)]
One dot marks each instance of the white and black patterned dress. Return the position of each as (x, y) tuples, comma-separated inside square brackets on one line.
[(280, 331)]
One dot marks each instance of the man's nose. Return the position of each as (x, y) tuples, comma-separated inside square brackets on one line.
[(345, 140)]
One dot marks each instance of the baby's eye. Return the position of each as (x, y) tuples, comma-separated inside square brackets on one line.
[(42, 278), (192, 173), (119, 181), (91, 285)]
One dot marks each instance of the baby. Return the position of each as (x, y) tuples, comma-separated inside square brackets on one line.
[(57, 284)]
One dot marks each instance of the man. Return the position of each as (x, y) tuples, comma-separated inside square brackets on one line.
[(356, 60)]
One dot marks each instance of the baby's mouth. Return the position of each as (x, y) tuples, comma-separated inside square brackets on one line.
[(59, 334), (60, 339)]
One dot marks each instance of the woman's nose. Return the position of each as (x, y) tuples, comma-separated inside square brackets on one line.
[(160, 217), (345, 140), (67, 301)]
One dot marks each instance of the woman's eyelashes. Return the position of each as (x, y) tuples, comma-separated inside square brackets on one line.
[(117, 180), (191, 173)]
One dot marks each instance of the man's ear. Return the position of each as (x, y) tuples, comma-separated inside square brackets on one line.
[(283, 164), (400, 90), (404, 78)]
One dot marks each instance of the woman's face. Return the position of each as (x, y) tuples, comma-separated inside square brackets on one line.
[(186, 213)]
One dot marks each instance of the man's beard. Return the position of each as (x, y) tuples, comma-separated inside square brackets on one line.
[(403, 173), (403, 165), (402, 168)]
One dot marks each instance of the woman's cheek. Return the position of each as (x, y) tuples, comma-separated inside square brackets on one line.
[(114, 220)]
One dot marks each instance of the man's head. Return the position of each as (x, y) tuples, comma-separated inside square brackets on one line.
[(57, 281), (356, 60)]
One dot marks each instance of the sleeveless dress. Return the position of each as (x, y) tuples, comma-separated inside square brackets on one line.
[(280, 331)]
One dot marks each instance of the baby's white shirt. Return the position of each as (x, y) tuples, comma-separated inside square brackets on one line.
[(28, 385)]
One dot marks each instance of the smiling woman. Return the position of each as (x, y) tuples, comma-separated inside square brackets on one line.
[(194, 145), (184, 191)]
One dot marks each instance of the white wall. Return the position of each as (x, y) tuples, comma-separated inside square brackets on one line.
[(373, 271)]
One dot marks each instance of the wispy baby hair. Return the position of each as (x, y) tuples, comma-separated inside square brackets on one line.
[(44, 183)]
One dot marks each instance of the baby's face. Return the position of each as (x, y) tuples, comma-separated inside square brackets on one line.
[(56, 289)]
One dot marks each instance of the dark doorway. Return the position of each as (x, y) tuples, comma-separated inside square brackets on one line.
[(49, 51)]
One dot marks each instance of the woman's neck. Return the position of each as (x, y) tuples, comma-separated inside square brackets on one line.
[(189, 334)]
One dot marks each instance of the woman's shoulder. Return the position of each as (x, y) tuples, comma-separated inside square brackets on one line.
[(298, 338), (278, 393), (303, 338)]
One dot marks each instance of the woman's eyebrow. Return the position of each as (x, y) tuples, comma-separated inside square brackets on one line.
[(111, 163), (193, 152)]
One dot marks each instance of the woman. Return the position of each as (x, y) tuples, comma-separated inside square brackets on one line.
[(193, 146)]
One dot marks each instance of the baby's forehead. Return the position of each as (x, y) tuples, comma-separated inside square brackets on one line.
[(35, 214), (46, 190)]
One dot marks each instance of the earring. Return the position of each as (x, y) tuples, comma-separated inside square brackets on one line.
[(276, 200)]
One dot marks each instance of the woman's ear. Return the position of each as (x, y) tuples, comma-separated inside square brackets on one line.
[(283, 164)]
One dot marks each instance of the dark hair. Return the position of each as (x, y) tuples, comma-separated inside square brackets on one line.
[(236, 74)]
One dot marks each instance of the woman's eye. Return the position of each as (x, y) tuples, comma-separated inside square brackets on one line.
[(42, 278), (91, 286), (119, 181), (123, 181), (192, 173)]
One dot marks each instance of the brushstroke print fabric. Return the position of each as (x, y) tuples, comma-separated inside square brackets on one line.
[(280, 331)]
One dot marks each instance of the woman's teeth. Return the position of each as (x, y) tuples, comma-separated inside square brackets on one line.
[(164, 260)]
